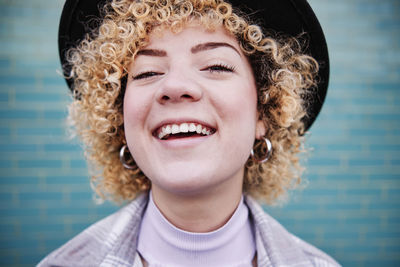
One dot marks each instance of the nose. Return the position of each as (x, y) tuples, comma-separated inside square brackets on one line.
[(178, 86)]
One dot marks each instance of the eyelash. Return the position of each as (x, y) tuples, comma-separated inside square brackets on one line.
[(219, 68), (211, 68), (145, 75)]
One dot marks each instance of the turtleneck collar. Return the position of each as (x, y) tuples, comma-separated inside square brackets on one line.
[(162, 244)]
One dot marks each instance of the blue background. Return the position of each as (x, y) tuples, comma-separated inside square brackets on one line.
[(350, 208)]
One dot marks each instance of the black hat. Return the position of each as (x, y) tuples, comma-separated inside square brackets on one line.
[(289, 17)]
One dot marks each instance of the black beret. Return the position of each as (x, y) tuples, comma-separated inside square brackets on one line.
[(287, 17)]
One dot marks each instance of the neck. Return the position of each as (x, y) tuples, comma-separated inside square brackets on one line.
[(162, 244), (202, 211)]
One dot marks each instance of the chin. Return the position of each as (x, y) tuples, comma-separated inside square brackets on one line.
[(186, 181)]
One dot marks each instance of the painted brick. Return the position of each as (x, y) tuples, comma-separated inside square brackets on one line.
[(4, 131), (46, 131), (6, 197), (77, 164), (6, 163), (3, 97), (54, 115), (19, 212), (61, 147), (18, 147), (18, 243), (39, 97), (5, 62), (66, 179), (39, 164), (51, 196), (19, 114), (18, 180), (384, 176), (324, 161), (17, 79)]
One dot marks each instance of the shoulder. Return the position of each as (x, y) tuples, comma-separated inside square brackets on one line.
[(92, 246), (277, 247)]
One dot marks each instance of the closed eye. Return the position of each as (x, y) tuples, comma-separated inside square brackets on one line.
[(145, 75), (219, 68)]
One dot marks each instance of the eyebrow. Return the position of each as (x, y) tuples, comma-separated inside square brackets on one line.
[(195, 49), (152, 52), (211, 45)]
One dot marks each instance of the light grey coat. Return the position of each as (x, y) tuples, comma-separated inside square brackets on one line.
[(112, 242)]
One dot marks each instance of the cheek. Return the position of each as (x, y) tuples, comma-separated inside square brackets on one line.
[(239, 101), (135, 109)]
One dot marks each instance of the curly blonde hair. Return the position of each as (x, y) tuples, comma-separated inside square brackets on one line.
[(284, 76)]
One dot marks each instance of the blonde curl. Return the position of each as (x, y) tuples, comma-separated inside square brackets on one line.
[(140, 10)]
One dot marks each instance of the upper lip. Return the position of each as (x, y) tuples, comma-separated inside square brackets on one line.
[(182, 120)]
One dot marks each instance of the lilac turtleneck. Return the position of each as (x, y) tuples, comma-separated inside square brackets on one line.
[(162, 244)]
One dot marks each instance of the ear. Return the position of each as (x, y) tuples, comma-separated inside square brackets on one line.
[(260, 129)]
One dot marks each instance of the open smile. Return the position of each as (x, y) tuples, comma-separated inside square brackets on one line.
[(182, 130)]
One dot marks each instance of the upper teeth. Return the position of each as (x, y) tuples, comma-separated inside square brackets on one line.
[(183, 128)]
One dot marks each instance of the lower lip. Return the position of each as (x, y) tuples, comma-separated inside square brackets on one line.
[(184, 142)]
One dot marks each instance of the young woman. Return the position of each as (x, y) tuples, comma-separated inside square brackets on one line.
[(191, 111)]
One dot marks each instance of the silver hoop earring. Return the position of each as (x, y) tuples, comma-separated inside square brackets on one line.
[(267, 154), (123, 159)]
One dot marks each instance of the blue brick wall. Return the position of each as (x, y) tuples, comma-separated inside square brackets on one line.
[(350, 208)]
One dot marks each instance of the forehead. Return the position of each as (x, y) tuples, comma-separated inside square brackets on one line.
[(190, 35)]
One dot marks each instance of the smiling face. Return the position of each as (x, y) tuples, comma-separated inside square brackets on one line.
[(190, 110)]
